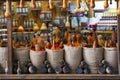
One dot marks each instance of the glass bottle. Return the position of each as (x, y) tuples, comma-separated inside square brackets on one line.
[(6, 67), (20, 10), (18, 68), (24, 10)]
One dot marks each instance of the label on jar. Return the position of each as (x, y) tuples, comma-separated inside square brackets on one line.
[(17, 10), (20, 10), (25, 23), (24, 10), (39, 4), (42, 16)]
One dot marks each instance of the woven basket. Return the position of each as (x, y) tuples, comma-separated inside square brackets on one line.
[(111, 56), (21, 54), (54, 57), (37, 58), (73, 57), (3, 57), (93, 56)]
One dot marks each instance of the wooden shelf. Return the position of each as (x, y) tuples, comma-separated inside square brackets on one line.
[(46, 20), (45, 31), (13, 29), (46, 11), (26, 29), (22, 14), (22, 32), (3, 25), (88, 31), (62, 27), (36, 9), (62, 76), (3, 34), (3, 29), (109, 32)]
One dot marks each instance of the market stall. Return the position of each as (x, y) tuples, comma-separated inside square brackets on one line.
[(59, 39)]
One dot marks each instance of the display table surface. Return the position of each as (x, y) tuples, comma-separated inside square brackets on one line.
[(60, 76)]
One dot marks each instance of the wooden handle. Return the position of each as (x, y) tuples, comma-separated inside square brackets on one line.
[(50, 4), (78, 38), (113, 35), (92, 4), (78, 4), (33, 3), (53, 45), (21, 3), (106, 44), (106, 5), (95, 44), (7, 12), (65, 4)]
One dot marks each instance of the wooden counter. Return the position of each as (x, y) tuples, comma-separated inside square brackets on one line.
[(61, 76)]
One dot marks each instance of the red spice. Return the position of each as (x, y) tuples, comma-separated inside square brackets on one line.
[(35, 50)]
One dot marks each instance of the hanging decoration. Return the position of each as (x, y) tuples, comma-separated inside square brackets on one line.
[(33, 4), (21, 28), (36, 27), (50, 4), (21, 3), (7, 12), (106, 5), (92, 3), (43, 26), (65, 4), (78, 3), (81, 6), (84, 6), (77, 10)]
